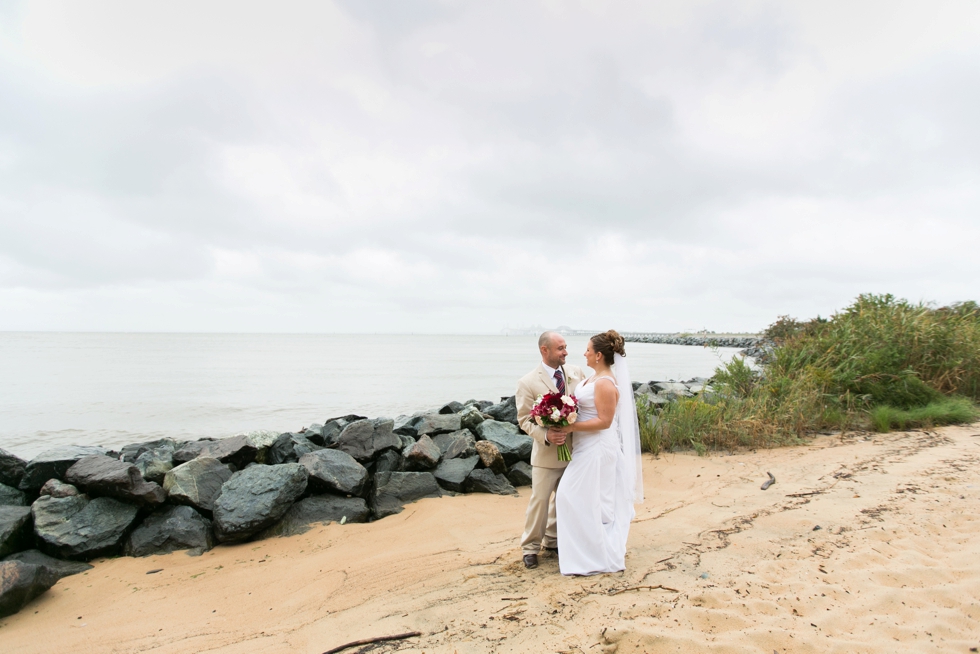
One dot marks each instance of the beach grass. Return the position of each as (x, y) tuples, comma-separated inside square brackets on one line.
[(880, 364)]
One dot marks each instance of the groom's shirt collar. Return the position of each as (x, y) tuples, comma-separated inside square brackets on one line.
[(551, 371)]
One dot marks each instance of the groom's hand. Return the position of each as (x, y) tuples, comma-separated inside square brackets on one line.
[(555, 437)]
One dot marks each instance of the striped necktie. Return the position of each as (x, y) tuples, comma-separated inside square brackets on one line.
[(560, 381)]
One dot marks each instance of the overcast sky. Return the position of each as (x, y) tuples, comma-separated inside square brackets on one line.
[(457, 167)]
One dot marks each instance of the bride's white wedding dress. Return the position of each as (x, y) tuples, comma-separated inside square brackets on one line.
[(596, 493)]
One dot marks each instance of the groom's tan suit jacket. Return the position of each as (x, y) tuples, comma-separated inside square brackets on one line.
[(535, 383)]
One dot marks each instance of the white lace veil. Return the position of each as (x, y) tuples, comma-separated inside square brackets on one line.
[(629, 427)]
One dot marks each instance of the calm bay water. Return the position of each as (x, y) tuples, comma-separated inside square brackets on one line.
[(113, 389)]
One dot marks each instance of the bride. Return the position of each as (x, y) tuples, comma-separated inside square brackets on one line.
[(604, 479)]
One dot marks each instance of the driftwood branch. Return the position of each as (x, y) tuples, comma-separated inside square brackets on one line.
[(376, 639), (660, 586), (769, 482), (807, 494)]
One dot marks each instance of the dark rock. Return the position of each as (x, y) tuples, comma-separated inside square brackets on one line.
[(421, 455), (483, 480), (490, 456), (61, 568), (53, 464), (505, 411), (452, 407), (393, 489), (20, 583), (154, 464), (390, 461), (288, 448), (437, 423), (333, 427), (131, 452), (470, 417), (79, 528), (10, 496), (262, 440), (55, 488), (319, 509), (480, 405), (170, 529), (190, 451), (407, 441), (15, 529), (256, 498), (451, 473), (333, 470), (456, 444), (98, 475), (408, 425), (197, 483), (514, 445), (366, 439), (237, 451), (520, 474), (11, 468)]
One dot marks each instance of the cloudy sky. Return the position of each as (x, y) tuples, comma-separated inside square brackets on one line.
[(455, 167)]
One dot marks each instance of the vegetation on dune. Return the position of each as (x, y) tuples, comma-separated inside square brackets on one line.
[(881, 363)]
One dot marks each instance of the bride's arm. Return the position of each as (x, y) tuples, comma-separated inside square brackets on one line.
[(606, 397)]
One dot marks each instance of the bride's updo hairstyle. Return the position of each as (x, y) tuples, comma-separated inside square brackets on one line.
[(608, 344)]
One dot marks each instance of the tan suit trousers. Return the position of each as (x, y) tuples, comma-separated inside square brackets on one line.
[(541, 521)]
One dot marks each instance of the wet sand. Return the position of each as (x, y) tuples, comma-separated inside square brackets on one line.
[(894, 566)]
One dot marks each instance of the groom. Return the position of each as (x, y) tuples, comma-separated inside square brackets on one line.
[(550, 376)]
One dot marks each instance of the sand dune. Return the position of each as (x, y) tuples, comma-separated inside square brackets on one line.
[(894, 566)]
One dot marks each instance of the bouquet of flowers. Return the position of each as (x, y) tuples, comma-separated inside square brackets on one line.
[(556, 410)]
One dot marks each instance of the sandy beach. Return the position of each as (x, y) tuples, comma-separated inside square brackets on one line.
[(866, 543)]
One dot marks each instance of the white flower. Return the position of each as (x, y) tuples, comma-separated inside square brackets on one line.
[(567, 400), (555, 415), (572, 417)]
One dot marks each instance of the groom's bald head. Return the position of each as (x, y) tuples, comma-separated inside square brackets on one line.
[(553, 349)]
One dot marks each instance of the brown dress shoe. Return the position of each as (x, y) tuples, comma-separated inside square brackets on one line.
[(530, 561)]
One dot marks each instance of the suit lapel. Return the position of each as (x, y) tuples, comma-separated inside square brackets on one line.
[(548, 380)]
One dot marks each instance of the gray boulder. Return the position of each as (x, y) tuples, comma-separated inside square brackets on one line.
[(15, 529), (10, 496), (99, 475), (80, 528), (389, 461), (520, 474), (470, 417), (237, 451), (451, 407), (129, 453), (20, 583), (56, 488), (490, 456), (170, 529), (261, 440), (61, 568), (319, 509), (483, 480), (451, 473), (336, 471), (394, 489), (190, 450), (456, 444), (333, 427), (672, 389), (288, 448), (53, 464), (421, 455), (154, 464), (408, 425), (256, 498), (11, 468), (437, 423), (513, 444), (197, 483), (366, 439), (505, 411)]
